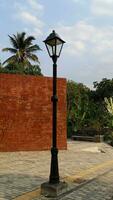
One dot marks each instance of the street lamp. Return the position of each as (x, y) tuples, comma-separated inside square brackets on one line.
[(54, 46)]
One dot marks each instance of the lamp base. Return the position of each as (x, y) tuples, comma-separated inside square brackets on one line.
[(53, 190)]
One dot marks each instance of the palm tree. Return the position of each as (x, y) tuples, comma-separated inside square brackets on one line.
[(22, 50)]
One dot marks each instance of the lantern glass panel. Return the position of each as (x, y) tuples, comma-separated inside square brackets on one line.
[(59, 48), (49, 48), (54, 47)]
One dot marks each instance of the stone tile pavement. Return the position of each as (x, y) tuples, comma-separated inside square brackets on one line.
[(100, 188), (21, 173)]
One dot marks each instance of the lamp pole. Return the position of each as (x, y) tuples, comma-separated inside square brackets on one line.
[(54, 170), (54, 187)]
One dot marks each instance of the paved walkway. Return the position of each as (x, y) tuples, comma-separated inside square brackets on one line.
[(100, 188), (21, 173)]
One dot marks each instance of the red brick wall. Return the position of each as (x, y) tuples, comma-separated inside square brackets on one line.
[(26, 113)]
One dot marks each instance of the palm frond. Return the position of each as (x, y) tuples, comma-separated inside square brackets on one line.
[(22, 40), (13, 42), (9, 49), (18, 37), (28, 41), (10, 59), (27, 63), (22, 35), (33, 48), (33, 57), (15, 38)]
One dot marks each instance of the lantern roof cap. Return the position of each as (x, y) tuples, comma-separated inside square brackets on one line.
[(52, 36)]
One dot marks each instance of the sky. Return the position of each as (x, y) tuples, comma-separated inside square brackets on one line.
[(85, 25)]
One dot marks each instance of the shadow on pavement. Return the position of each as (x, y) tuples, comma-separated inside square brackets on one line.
[(13, 185)]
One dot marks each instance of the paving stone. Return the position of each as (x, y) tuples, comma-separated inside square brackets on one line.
[(22, 172), (94, 190)]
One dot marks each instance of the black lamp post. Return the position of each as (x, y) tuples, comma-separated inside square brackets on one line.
[(54, 46)]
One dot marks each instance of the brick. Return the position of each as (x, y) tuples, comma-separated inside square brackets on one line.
[(26, 113)]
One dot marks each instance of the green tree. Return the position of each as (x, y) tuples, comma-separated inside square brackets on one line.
[(96, 115), (86, 108), (17, 68), (103, 89), (77, 106), (33, 70), (22, 50), (109, 107)]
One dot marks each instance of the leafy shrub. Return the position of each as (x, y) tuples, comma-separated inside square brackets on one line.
[(19, 69)]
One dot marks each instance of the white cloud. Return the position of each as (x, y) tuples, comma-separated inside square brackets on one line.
[(29, 14), (77, 36), (88, 43), (30, 19), (88, 52), (86, 39), (102, 7), (35, 5), (36, 32)]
